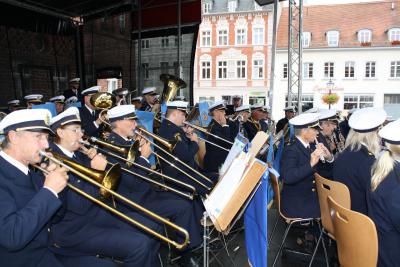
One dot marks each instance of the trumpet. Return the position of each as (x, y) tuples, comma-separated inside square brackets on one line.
[(138, 132), (86, 175), (133, 151)]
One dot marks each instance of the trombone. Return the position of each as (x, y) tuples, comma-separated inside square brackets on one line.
[(198, 128), (132, 151), (85, 174), (143, 130)]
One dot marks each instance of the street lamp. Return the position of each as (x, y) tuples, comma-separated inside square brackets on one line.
[(330, 85)]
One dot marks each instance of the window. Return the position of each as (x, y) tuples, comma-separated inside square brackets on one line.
[(391, 99), (121, 20), (258, 69), (222, 37), (332, 37), (258, 36), (306, 39), (349, 69), (395, 69), (370, 69), (145, 70), (257, 100), (206, 70), (60, 81), (164, 67), (222, 69), (241, 36), (308, 70), (285, 71), (206, 38), (329, 70), (164, 42), (241, 69), (207, 7), (176, 41), (232, 5), (112, 84), (307, 101), (358, 101), (145, 44), (394, 34), (364, 36)]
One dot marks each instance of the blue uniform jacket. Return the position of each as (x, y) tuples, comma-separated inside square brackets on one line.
[(384, 210), (25, 211), (185, 150), (87, 120), (215, 157), (252, 127), (130, 185), (353, 168), (299, 196)]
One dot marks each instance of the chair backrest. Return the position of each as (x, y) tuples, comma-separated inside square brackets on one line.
[(277, 192), (338, 191), (356, 237)]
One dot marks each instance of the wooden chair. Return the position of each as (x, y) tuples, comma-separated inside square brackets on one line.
[(339, 192), (290, 221), (356, 236)]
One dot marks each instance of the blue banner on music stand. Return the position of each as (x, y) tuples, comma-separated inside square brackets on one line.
[(49, 106), (204, 117), (146, 119), (73, 104)]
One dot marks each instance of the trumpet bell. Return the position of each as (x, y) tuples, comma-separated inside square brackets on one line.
[(172, 84), (103, 100)]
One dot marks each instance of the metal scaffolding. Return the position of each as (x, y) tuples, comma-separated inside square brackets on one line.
[(295, 51)]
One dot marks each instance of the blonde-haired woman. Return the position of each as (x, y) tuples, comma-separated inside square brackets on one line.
[(353, 165), (384, 197)]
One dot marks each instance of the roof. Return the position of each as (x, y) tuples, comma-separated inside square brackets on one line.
[(348, 19), (221, 6)]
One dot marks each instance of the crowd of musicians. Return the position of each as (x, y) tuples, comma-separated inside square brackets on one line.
[(44, 221)]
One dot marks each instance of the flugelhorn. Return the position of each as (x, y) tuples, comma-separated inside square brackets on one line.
[(147, 212)]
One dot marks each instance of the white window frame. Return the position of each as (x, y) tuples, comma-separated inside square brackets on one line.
[(204, 37), (164, 42), (364, 36), (145, 70), (207, 7), (306, 70), (224, 35), (358, 101), (258, 68), (242, 35), (112, 84), (232, 5), (145, 44), (306, 39), (221, 66), (258, 36), (241, 65), (368, 70), (395, 69), (349, 67), (205, 69), (331, 70), (394, 34), (332, 38)]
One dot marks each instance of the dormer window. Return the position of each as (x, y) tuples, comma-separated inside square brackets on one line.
[(306, 39), (332, 38), (364, 36), (394, 35), (207, 7), (232, 5)]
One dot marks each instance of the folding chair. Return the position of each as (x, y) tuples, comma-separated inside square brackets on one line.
[(356, 237), (289, 221)]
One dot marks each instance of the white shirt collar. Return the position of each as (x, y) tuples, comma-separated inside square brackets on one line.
[(69, 154), (15, 162), (306, 145)]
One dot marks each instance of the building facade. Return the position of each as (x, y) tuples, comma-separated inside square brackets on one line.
[(232, 51), (353, 48)]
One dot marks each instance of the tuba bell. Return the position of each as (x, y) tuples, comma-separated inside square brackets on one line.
[(172, 84)]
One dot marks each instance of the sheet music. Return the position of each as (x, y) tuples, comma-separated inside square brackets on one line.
[(237, 148), (228, 184)]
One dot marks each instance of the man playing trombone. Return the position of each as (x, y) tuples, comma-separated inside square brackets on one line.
[(28, 200), (86, 228), (178, 210)]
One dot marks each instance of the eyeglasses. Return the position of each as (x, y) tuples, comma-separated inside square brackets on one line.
[(76, 130)]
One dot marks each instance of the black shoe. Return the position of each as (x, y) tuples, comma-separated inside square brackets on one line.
[(190, 260)]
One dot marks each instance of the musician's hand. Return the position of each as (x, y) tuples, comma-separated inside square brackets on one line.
[(98, 162), (101, 118), (315, 156), (57, 178), (91, 152), (193, 137), (326, 153), (145, 150)]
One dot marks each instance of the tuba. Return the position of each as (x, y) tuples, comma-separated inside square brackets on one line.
[(103, 101), (172, 84)]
